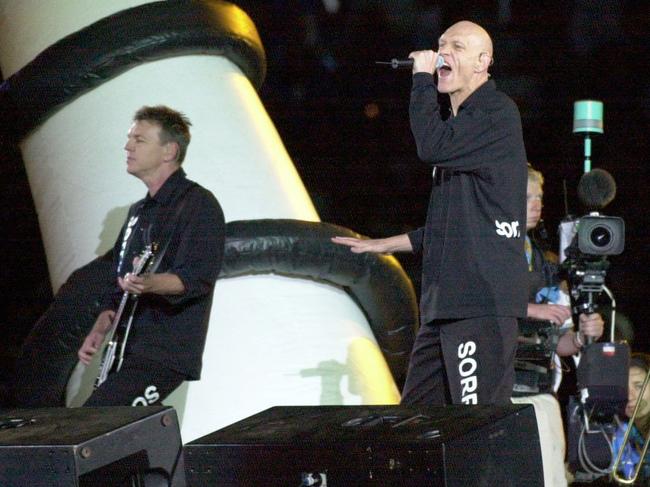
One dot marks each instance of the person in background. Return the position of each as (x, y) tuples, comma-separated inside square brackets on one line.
[(545, 335), (548, 305), (639, 367)]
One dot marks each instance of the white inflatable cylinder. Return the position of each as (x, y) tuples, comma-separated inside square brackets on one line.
[(272, 340)]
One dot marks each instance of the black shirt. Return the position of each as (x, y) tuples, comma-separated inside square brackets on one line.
[(171, 330), (472, 244)]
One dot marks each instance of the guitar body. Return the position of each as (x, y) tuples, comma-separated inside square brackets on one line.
[(113, 354)]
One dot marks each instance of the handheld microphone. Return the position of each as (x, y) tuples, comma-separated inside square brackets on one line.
[(408, 63)]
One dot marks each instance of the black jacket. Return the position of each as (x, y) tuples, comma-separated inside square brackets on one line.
[(472, 244), (171, 330)]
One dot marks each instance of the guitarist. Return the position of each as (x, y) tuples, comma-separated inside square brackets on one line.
[(186, 224)]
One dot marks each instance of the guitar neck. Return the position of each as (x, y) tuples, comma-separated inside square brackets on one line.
[(118, 315), (116, 342)]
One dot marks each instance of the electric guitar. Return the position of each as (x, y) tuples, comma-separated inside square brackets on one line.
[(118, 335)]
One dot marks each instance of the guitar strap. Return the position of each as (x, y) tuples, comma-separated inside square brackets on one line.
[(168, 229)]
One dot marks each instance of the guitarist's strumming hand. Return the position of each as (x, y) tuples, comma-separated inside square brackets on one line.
[(96, 336)]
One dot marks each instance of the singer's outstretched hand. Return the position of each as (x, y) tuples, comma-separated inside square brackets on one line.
[(397, 243), (424, 61)]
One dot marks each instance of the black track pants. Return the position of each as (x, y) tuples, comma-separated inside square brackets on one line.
[(466, 361), (139, 382)]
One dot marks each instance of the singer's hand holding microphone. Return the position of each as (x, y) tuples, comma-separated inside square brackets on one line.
[(426, 61), (419, 61)]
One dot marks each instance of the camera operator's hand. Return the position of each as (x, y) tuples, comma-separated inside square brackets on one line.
[(556, 313), (591, 325), (571, 342)]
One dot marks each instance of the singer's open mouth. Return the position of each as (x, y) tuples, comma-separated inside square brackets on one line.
[(444, 70)]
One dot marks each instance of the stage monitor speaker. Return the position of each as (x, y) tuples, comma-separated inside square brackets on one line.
[(108, 446), (348, 446)]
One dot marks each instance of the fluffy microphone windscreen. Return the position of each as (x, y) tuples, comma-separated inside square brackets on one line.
[(596, 189)]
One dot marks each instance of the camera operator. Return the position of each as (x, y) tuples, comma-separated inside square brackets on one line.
[(639, 367), (537, 367), (545, 288)]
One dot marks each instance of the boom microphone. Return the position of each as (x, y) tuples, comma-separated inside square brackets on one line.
[(596, 189), (408, 63)]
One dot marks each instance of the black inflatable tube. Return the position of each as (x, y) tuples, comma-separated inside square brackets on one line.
[(297, 248), (95, 54)]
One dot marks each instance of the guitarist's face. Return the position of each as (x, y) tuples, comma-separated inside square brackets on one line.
[(145, 155)]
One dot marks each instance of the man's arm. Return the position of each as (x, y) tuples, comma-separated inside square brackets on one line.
[(447, 143), (570, 343), (197, 261), (397, 243), (164, 284), (556, 313), (109, 302), (96, 336)]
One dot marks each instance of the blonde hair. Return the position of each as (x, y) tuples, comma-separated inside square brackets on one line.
[(534, 176)]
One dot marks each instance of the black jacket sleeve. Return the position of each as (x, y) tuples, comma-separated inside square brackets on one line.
[(200, 239), (462, 138), (416, 237)]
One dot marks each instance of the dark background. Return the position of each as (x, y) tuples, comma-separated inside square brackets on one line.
[(344, 122)]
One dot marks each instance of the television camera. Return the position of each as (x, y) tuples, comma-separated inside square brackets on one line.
[(603, 367), (602, 372)]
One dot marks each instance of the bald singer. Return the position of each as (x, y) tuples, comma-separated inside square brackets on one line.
[(473, 261)]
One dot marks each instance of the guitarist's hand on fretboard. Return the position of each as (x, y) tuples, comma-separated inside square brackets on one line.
[(94, 340)]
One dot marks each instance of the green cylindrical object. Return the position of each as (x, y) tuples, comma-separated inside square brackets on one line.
[(588, 116)]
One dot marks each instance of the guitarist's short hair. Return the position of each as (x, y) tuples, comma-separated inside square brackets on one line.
[(174, 126)]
